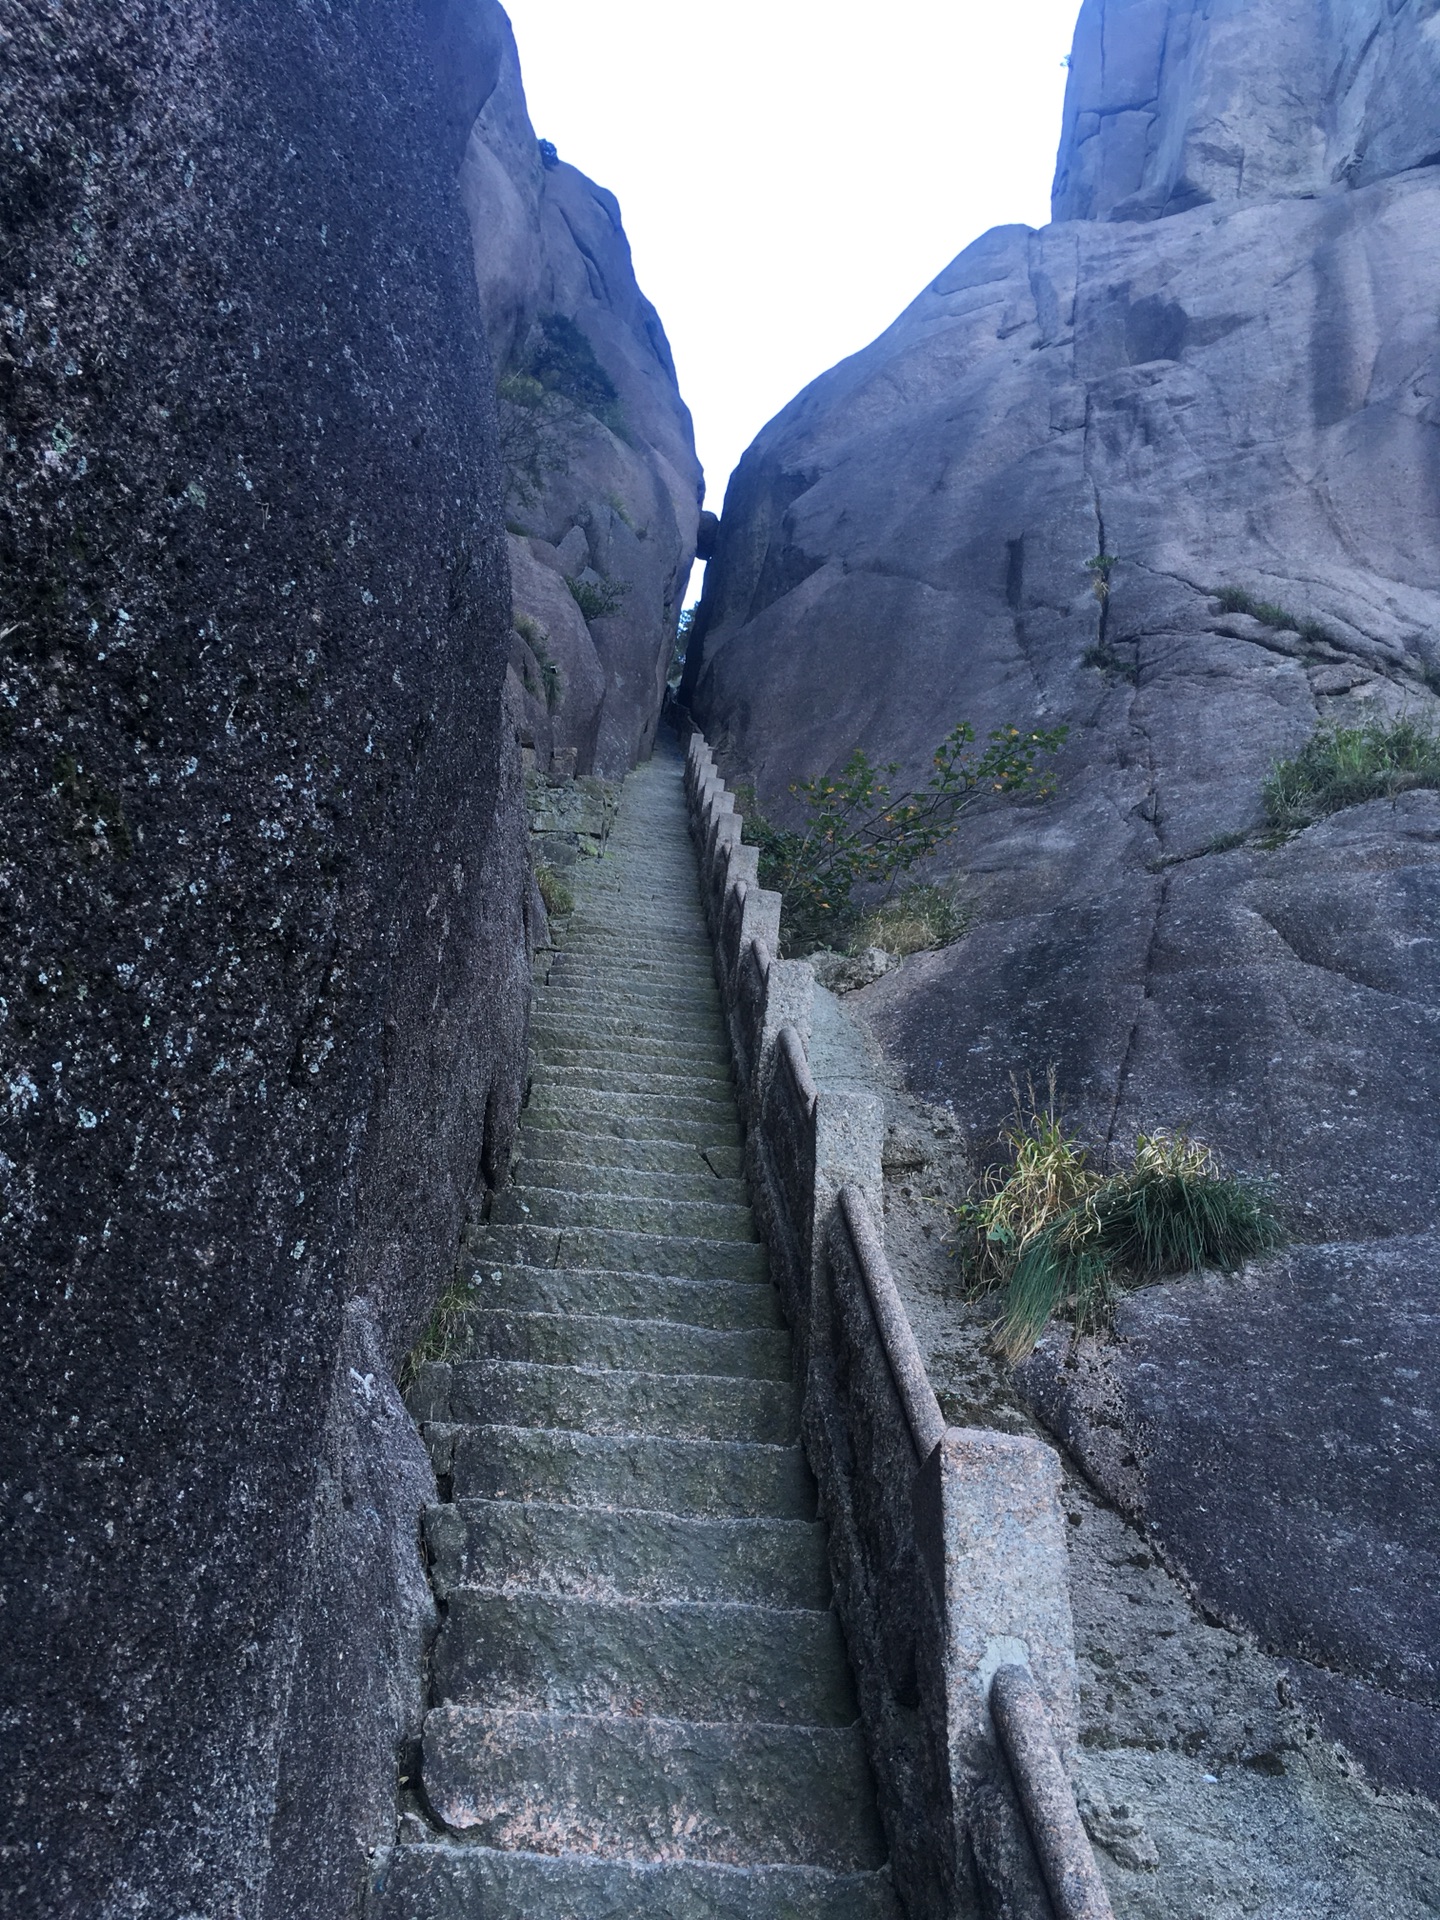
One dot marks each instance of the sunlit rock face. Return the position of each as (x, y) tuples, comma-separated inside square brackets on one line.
[(262, 944), (603, 491), (1018, 505)]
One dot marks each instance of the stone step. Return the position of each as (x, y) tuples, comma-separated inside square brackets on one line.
[(668, 1659), (592, 1292), (621, 1151), (622, 1787), (592, 1116), (626, 1555), (594, 990), (536, 1206), (674, 1406), (649, 946), (722, 1477), (600, 1341), (715, 1108), (633, 1052), (575, 1043), (578, 1176), (675, 1255), (449, 1882), (672, 1079)]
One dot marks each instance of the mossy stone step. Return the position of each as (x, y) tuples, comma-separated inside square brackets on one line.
[(632, 1346), (726, 1477), (623, 1787), (536, 1206), (675, 1406), (677, 1256), (672, 1659), (447, 1882), (626, 1555), (724, 1305)]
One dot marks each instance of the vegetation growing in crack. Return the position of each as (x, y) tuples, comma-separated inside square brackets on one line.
[(1279, 619), (542, 396), (1100, 566), (444, 1335), (860, 833), (1344, 766), (554, 891), (551, 687), (1112, 663), (1057, 1234)]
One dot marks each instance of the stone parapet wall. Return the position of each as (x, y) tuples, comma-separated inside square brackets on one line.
[(946, 1543)]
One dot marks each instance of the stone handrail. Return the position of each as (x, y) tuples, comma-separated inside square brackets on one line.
[(947, 1545)]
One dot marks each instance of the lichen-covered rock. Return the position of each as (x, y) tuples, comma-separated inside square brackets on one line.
[(599, 448), (261, 920), (1019, 504)]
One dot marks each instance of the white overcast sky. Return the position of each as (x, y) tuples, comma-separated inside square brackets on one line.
[(793, 172)]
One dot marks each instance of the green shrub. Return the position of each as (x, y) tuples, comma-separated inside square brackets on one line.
[(559, 900), (597, 599), (860, 833), (1343, 766), (1058, 1235)]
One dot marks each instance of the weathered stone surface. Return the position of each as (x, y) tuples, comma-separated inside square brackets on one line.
[(616, 500), (263, 950), (1174, 103), (1245, 394)]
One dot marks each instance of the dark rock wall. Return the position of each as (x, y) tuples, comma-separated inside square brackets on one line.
[(262, 954), (1243, 394)]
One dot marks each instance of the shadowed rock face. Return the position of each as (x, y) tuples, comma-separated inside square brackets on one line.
[(1245, 394), (264, 964), (616, 503)]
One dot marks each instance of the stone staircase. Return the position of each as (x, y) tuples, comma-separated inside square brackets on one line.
[(641, 1704)]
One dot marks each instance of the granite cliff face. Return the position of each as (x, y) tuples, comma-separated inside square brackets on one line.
[(604, 489), (1242, 393), (265, 974)]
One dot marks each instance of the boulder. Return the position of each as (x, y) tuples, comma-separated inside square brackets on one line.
[(1021, 504), (620, 475)]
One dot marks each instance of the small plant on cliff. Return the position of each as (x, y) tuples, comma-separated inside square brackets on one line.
[(1343, 766), (597, 600), (1058, 1235), (551, 687), (860, 832)]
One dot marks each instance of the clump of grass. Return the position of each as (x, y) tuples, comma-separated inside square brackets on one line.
[(917, 920), (1344, 766), (1058, 1235), (1114, 665), (1279, 619), (559, 900), (443, 1338)]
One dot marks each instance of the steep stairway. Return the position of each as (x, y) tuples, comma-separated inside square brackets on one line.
[(641, 1705)]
